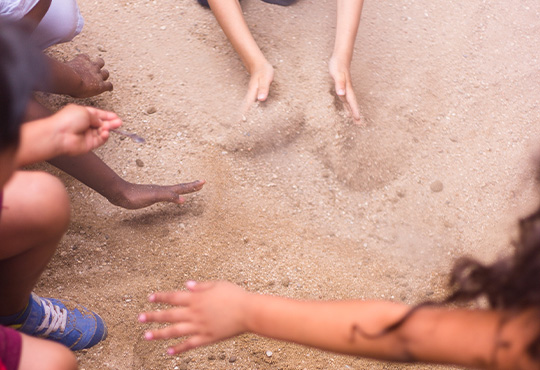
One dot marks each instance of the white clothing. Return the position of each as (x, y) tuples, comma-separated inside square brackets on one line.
[(61, 23), (14, 10)]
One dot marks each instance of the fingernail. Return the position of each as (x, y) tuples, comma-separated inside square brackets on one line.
[(142, 318), (261, 97), (148, 335), (152, 297), (170, 351), (190, 284), (341, 92)]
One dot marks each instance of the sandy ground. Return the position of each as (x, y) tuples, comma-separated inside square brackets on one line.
[(300, 202)]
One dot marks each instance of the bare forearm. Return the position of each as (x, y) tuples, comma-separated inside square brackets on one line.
[(39, 142), (334, 326), (63, 79), (431, 335), (348, 20), (229, 16)]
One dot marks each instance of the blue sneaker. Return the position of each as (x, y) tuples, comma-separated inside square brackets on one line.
[(64, 322)]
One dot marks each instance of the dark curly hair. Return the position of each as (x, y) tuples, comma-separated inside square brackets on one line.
[(22, 67), (511, 283)]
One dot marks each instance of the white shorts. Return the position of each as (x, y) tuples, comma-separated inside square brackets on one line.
[(61, 23)]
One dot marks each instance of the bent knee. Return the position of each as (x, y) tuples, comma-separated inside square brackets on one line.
[(61, 23), (40, 199), (46, 355)]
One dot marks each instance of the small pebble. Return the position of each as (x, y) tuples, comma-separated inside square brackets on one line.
[(232, 359), (436, 186), (269, 353), (139, 163), (222, 356), (211, 357), (151, 110), (285, 282), (101, 48)]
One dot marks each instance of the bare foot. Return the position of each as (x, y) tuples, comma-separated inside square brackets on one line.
[(93, 76), (135, 196)]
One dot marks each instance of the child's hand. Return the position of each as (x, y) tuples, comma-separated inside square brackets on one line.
[(344, 89), (259, 85), (207, 313), (93, 76), (82, 129)]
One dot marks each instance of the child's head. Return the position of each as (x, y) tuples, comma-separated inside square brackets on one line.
[(21, 69)]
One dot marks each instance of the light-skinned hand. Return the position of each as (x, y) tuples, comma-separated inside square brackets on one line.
[(208, 312), (341, 74), (82, 129), (259, 85)]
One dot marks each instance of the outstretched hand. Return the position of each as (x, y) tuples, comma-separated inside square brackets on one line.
[(92, 74), (206, 313), (259, 86), (83, 129), (341, 74)]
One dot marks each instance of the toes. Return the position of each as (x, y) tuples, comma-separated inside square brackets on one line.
[(104, 74)]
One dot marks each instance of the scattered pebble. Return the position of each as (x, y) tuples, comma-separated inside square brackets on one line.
[(211, 357), (139, 163), (232, 359), (151, 110), (222, 356), (286, 282), (269, 353), (436, 186), (101, 48)]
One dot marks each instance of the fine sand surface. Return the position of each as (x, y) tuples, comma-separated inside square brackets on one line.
[(300, 202)]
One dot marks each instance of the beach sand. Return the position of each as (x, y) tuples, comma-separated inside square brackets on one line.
[(299, 201)]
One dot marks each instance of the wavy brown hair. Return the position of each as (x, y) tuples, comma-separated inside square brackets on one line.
[(511, 283)]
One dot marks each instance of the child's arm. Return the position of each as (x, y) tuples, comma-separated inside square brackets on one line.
[(211, 312), (229, 16), (348, 20), (73, 130)]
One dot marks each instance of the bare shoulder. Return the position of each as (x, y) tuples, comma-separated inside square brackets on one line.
[(518, 342)]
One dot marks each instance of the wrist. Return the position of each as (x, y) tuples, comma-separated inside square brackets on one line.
[(65, 80), (251, 306), (57, 136), (341, 59)]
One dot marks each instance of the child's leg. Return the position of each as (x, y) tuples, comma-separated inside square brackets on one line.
[(36, 14), (46, 355), (35, 215), (61, 23)]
